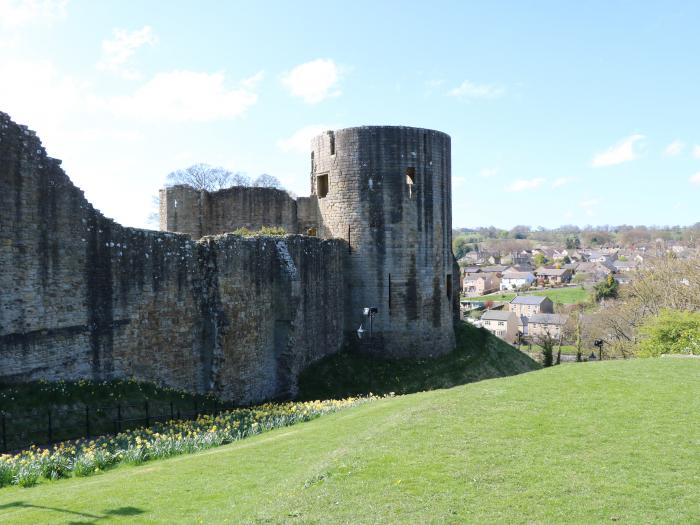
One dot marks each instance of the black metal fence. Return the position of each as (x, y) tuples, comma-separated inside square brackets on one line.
[(43, 427)]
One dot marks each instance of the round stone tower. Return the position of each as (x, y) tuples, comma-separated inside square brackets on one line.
[(386, 190)]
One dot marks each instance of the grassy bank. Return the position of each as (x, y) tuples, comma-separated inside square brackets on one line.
[(479, 355), (589, 443)]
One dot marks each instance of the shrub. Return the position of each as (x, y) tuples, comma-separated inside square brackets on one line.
[(607, 289), (671, 332)]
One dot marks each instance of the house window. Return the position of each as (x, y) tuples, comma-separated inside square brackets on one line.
[(322, 185), (500, 323)]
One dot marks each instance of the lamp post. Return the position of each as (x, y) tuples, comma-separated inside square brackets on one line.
[(370, 312), (598, 343)]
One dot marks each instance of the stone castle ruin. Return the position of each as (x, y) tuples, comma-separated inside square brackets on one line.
[(197, 308)]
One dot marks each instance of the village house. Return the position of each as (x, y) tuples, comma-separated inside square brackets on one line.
[(595, 271), (478, 284), (607, 256), (625, 266), (494, 268), (527, 305), (513, 280), (540, 325), (501, 323), (553, 276)]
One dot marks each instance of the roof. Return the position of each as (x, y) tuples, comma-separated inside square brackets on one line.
[(552, 271), (494, 268), (528, 299), (517, 275), (471, 269), (557, 319), (497, 315)]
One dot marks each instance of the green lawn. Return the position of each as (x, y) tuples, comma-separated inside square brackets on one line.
[(583, 443), (568, 295)]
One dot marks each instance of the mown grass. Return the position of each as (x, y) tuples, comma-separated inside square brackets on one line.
[(568, 295), (479, 355), (585, 443)]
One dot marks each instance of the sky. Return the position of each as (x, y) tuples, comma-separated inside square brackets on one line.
[(560, 112)]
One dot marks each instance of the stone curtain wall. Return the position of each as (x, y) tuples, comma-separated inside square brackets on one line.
[(388, 195), (200, 213), (83, 297)]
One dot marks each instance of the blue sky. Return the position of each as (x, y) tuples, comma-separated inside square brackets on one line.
[(559, 112)]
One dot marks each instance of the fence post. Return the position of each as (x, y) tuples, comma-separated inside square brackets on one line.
[(148, 419), (172, 413), (119, 418), (4, 434), (196, 409), (50, 429), (87, 421)]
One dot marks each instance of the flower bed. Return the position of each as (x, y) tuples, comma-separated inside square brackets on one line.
[(85, 457)]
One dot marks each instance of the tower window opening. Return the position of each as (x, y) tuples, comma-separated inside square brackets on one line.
[(332, 137), (410, 180), (389, 294), (322, 185), (448, 285), (313, 168)]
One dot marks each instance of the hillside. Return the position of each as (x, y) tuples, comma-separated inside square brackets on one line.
[(586, 443), (479, 355)]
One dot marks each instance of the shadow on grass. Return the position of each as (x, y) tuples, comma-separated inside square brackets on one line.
[(479, 355), (92, 518)]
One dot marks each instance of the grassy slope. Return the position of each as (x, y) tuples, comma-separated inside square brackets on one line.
[(479, 355), (569, 295), (588, 443)]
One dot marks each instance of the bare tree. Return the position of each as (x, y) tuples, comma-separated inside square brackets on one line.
[(267, 181), (206, 177)]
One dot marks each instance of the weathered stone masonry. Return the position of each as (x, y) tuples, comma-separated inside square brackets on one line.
[(83, 297), (198, 309)]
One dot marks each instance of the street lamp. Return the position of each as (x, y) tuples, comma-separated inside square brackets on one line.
[(370, 312), (598, 343)]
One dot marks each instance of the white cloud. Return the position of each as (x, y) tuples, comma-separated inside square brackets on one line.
[(525, 184), (14, 13), (469, 89), (562, 181), (313, 81), (117, 51), (623, 151), (695, 179), (487, 173), (589, 205), (696, 151), (300, 140), (185, 96), (674, 148), (41, 97)]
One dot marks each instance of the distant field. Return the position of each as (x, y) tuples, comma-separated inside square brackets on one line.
[(570, 295), (611, 442)]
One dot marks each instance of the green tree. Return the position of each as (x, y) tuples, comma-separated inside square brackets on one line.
[(573, 242), (607, 289), (547, 343), (539, 259), (671, 332)]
